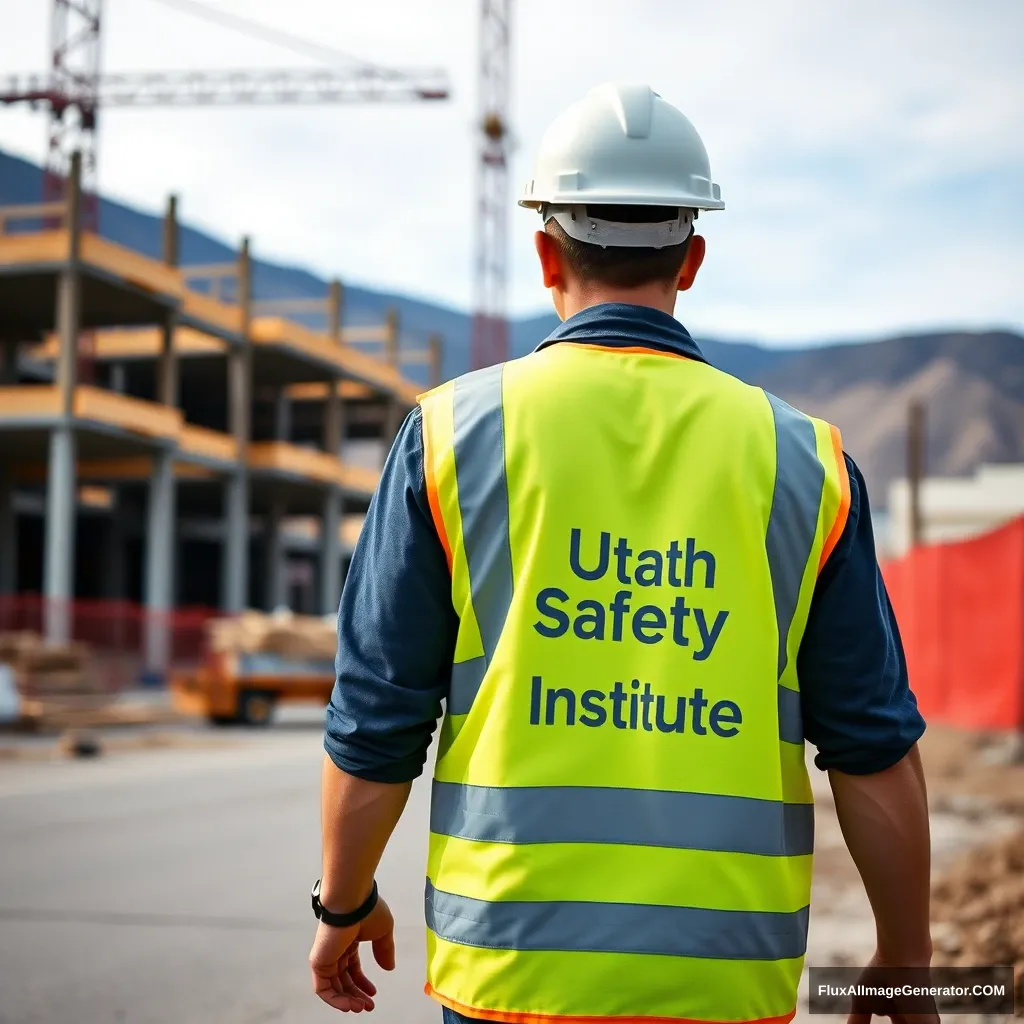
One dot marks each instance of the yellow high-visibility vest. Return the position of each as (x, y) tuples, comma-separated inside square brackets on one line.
[(621, 819)]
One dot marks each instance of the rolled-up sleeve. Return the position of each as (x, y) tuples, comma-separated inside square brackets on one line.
[(858, 708), (396, 628)]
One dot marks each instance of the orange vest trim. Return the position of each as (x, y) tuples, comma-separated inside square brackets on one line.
[(433, 498), (844, 502), (629, 350), (542, 1018)]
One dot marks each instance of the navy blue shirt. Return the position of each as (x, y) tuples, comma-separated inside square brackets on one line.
[(397, 625)]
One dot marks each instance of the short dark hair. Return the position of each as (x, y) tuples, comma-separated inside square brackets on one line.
[(620, 266)]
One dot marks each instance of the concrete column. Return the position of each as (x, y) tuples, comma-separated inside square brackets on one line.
[(114, 564), (282, 416), (275, 595), (334, 421), (335, 309), (330, 552), (394, 413), (391, 338), (158, 571), (235, 568), (167, 365), (69, 293), (8, 534), (61, 484), (172, 236), (59, 555), (8, 362), (434, 347), (235, 562)]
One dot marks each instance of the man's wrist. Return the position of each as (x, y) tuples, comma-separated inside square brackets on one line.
[(918, 955), (344, 899)]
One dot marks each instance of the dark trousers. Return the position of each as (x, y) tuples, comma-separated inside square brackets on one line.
[(451, 1017)]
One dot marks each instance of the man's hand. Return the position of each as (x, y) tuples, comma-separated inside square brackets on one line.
[(877, 973), (338, 977)]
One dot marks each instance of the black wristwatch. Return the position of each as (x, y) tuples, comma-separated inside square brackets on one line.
[(343, 920)]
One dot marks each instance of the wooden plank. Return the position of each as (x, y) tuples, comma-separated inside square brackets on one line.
[(213, 312), (365, 333), (39, 247), (289, 458), (32, 211), (135, 343), (133, 414), (368, 369), (209, 444), (150, 275), (359, 479), (29, 401), (316, 391)]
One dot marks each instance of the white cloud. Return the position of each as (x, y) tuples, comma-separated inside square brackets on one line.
[(870, 154)]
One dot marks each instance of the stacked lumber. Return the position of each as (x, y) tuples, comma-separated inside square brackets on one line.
[(296, 637), (50, 671)]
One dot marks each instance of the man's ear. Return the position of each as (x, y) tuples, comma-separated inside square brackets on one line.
[(550, 260), (694, 258)]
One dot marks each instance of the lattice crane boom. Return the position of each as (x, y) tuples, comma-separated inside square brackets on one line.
[(74, 91)]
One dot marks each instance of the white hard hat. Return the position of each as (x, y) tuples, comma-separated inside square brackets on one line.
[(622, 145)]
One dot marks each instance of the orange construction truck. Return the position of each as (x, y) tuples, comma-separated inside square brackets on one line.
[(245, 688)]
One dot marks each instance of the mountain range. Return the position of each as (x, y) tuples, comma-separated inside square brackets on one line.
[(972, 383)]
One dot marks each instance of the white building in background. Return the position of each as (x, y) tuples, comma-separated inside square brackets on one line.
[(954, 508)]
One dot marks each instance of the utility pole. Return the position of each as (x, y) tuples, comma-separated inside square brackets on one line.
[(490, 311), (916, 436)]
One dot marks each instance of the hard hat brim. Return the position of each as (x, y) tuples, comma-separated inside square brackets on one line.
[(686, 201)]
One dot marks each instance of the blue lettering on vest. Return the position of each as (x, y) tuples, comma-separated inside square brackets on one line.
[(631, 709), (650, 623)]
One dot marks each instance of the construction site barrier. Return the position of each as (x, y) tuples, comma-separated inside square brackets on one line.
[(960, 609), (129, 644)]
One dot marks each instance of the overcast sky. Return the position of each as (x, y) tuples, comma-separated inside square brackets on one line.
[(871, 154)]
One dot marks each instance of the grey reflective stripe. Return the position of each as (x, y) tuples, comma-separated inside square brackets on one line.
[(483, 507), (629, 817), (466, 679), (792, 525), (791, 722), (617, 928)]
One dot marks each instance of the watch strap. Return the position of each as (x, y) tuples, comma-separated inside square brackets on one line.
[(343, 920)]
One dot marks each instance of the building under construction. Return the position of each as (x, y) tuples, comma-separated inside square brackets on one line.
[(167, 441)]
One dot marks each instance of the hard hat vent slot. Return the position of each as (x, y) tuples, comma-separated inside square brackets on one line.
[(635, 106)]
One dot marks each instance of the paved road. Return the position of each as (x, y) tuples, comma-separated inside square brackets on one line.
[(171, 887)]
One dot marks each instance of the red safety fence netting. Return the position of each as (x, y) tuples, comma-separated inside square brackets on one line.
[(130, 644), (960, 609)]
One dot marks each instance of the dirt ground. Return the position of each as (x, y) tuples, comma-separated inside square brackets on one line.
[(976, 800)]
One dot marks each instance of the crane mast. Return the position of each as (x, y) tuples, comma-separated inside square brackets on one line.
[(490, 271)]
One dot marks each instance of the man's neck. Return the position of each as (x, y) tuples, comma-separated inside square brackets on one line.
[(654, 296)]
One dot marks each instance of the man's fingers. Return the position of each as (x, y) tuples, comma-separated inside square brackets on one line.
[(332, 990), (384, 950), (360, 1000), (361, 980)]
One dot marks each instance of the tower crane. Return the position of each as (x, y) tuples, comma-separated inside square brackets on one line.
[(75, 90), (489, 343)]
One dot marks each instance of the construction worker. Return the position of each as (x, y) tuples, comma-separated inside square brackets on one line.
[(639, 585)]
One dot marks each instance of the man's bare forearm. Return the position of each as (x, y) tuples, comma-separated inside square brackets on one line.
[(884, 818), (357, 819)]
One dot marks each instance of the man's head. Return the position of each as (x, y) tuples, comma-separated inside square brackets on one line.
[(581, 273), (619, 181)]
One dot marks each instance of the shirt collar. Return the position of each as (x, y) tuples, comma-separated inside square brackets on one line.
[(620, 325)]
